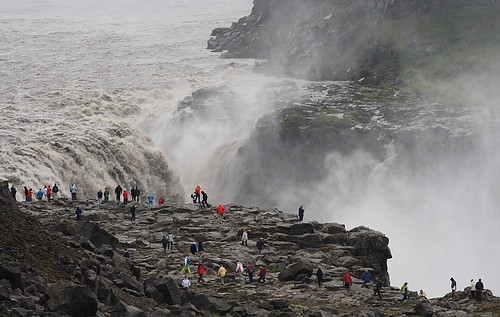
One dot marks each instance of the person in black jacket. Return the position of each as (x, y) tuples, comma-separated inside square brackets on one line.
[(319, 275), (118, 192), (479, 290)]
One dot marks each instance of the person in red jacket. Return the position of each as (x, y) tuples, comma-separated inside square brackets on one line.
[(125, 197), (347, 280), (161, 201), (49, 192), (220, 212), (201, 271)]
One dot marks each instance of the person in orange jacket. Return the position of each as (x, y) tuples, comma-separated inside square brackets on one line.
[(197, 191), (220, 212)]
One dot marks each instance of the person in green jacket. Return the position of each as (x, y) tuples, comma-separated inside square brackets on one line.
[(106, 195), (405, 291)]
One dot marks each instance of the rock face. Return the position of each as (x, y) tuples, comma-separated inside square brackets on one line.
[(326, 40), (86, 274)]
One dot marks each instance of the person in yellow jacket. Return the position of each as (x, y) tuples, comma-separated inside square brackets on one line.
[(221, 273)]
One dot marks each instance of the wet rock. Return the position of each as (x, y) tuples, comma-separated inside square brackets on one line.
[(170, 291), (295, 270), (123, 310), (74, 300), (424, 308)]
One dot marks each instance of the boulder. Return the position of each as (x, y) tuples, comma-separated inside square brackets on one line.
[(292, 272), (71, 299), (424, 308), (365, 241), (170, 291), (333, 228), (123, 310), (310, 240), (98, 236), (12, 274)]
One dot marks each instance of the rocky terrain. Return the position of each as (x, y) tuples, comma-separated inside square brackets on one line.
[(52, 265)]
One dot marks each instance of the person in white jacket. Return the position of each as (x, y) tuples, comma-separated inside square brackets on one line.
[(244, 238), (186, 282)]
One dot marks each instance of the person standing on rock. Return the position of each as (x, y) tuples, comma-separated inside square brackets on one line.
[(78, 214), (137, 193), (201, 270), (39, 194), (249, 270), (125, 254), (164, 244), (239, 268), (200, 247), (133, 209), (30, 194), (125, 197), (73, 190), (186, 282), (49, 193), (118, 193), (421, 294), (13, 192), (26, 191), (55, 191), (99, 196), (405, 291), (170, 242), (106, 195), (221, 273), (45, 192), (204, 201), (187, 264), (472, 286), (244, 238), (220, 212), (262, 274), (301, 213), (151, 198), (479, 287), (453, 287), (347, 280), (319, 275), (377, 290), (133, 194), (161, 201), (193, 248), (260, 246), (197, 191)]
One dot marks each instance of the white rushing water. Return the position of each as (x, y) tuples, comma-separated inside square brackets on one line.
[(89, 92)]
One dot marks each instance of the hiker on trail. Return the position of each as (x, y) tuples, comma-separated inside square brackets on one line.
[(193, 248), (30, 194), (49, 193), (125, 254), (221, 273), (405, 291), (244, 238), (78, 213), (239, 268), (39, 194), (99, 196), (220, 212), (151, 198), (479, 290), (367, 278), (73, 190), (200, 246), (187, 264), (164, 244), (26, 191), (133, 209), (262, 274), (319, 275), (347, 280), (422, 295), (186, 282), (161, 201), (260, 245), (132, 193), (118, 193), (45, 192), (170, 242), (377, 290), (204, 201), (194, 197), (301, 213), (13, 192), (201, 270), (197, 191), (55, 191), (249, 270), (125, 197)]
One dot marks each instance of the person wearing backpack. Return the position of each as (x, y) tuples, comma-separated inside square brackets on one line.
[(347, 280), (55, 191), (201, 270), (187, 264), (170, 242)]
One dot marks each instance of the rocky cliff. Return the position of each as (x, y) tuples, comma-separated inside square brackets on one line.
[(52, 265)]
